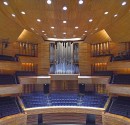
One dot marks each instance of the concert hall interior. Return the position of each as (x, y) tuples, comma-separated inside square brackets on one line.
[(64, 62)]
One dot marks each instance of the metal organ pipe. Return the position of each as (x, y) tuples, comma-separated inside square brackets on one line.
[(63, 55)]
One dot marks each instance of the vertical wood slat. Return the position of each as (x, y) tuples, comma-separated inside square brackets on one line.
[(64, 118), (84, 59)]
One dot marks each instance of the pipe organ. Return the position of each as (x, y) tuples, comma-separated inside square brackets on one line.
[(64, 58)]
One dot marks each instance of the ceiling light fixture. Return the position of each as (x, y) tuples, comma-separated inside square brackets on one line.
[(76, 27), (106, 13), (23, 12), (13, 15), (32, 28), (96, 28), (64, 39), (90, 20), (48, 1), (45, 34), (80, 1), (5, 3), (43, 31), (115, 15), (85, 31), (52, 27), (64, 8), (123, 3), (83, 34), (64, 21), (38, 20), (64, 33)]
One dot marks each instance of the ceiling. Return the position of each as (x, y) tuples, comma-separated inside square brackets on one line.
[(76, 15)]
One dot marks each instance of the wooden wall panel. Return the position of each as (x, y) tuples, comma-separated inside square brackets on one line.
[(32, 119), (43, 59), (9, 65), (10, 89), (112, 119), (119, 89), (84, 59), (99, 37), (63, 85), (18, 119), (64, 118), (117, 65), (26, 59), (103, 59), (11, 49)]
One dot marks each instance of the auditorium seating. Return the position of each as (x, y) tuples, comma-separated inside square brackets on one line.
[(102, 73), (8, 58), (17, 55), (94, 100), (37, 99), (63, 99), (7, 79), (25, 73), (120, 106), (120, 79), (9, 106), (121, 56)]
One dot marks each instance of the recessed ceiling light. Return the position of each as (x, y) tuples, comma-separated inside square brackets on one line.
[(80, 1), (64, 21), (23, 12), (64, 8), (123, 3), (115, 15), (64, 33), (13, 15), (52, 27), (5, 3), (85, 31), (90, 20), (43, 31), (32, 28), (96, 28), (106, 13), (76, 27), (45, 34), (48, 1), (38, 20), (83, 34)]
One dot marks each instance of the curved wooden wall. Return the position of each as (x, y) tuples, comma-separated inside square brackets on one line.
[(112, 119), (18, 119)]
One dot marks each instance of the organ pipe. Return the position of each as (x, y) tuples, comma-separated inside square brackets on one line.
[(64, 58)]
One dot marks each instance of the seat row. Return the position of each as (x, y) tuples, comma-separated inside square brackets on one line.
[(12, 58), (120, 79), (120, 106), (9, 106), (13, 78), (38, 100)]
